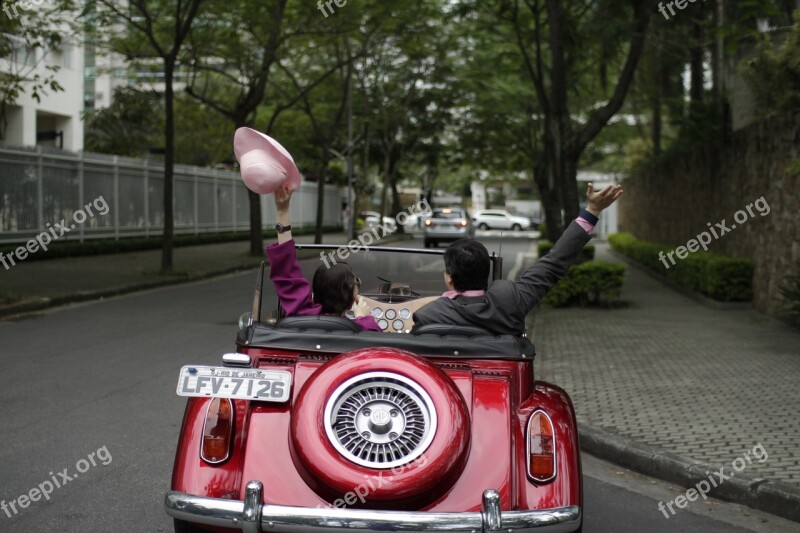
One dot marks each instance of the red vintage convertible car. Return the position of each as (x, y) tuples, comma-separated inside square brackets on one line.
[(313, 425)]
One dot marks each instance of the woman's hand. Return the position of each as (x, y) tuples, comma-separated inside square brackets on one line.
[(602, 199), (360, 307), (283, 197)]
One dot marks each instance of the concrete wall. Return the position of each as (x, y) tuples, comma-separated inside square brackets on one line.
[(677, 201)]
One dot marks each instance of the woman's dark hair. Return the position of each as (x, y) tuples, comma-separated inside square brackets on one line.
[(333, 288), (467, 262)]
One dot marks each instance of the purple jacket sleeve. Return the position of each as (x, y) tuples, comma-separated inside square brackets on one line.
[(368, 323), (293, 289)]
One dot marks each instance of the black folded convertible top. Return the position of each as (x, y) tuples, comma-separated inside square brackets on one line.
[(428, 345)]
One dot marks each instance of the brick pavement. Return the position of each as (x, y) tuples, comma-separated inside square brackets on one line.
[(671, 373)]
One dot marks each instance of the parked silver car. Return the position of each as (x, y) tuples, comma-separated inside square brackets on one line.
[(447, 224), (499, 219)]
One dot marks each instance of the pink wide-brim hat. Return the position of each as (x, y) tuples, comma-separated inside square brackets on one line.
[(265, 164)]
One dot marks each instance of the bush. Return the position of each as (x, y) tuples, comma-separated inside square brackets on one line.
[(790, 290), (587, 253), (589, 282), (722, 278)]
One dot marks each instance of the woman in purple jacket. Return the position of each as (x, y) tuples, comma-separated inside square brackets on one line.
[(333, 290)]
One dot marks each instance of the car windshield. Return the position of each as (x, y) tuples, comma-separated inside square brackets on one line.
[(387, 274)]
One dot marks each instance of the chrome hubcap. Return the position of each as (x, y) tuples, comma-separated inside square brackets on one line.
[(380, 420)]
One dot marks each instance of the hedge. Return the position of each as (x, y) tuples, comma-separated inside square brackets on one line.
[(591, 281), (722, 278), (73, 248), (587, 253)]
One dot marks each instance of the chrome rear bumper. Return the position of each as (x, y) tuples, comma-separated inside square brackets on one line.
[(251, 516)]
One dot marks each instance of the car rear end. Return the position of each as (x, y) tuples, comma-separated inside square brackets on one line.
[(447, 225), (380, 439)]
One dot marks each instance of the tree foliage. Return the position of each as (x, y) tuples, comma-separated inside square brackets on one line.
[(774, 71), (27, 36)]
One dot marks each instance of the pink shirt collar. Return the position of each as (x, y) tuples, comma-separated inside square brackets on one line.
[(468, 294)]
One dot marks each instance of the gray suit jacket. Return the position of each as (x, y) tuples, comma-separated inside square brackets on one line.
[(506, 303)]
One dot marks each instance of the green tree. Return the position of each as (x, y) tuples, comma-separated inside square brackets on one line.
[(27, 35), (148, 32), (568, 52)]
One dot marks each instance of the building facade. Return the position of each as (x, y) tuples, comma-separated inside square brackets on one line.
[(55, 119)]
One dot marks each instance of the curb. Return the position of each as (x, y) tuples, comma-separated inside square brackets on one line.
[(772, 497), (40, 304)]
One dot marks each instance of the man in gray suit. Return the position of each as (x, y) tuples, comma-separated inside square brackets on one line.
[(502, 306)]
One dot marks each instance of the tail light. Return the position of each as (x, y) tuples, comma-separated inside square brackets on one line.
[(217, 431), (541, 448), (462, 223), (429, 223)]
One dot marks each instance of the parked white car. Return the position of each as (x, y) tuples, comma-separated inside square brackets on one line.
[(372, 218), (499, 219)]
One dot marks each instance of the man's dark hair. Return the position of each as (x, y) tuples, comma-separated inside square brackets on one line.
[(333, 288), (467, 262)]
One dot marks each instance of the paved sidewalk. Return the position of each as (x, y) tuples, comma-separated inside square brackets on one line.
[(46, 283), (676, 376)]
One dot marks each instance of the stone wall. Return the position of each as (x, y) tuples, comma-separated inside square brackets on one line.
[(675, 202)]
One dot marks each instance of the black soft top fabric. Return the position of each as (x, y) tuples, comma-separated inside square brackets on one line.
[(318, 340)]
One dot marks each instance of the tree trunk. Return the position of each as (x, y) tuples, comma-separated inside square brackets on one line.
[(550, 186), (397, 205), (386, 181), (696, 68), (551, 202), (568, 178), (320, 201), (169, 166), (656, 126)]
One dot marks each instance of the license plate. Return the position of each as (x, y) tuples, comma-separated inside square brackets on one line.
[(235, 383)]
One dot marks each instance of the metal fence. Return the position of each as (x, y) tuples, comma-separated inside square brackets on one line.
[(41, 187)]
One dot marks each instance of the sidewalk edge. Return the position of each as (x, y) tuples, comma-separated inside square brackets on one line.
[(41, 304), (772, 497)]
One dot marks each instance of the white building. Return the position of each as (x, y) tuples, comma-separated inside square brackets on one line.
[(55, 120)]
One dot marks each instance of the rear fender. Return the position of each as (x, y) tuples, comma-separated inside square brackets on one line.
[(191, 474), (565, 489)]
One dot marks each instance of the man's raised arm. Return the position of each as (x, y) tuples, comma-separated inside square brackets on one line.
[(532, 285)]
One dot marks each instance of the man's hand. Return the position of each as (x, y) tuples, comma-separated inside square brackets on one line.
[(601, 199)]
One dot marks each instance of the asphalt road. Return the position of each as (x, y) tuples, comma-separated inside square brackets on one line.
[(87, 396)]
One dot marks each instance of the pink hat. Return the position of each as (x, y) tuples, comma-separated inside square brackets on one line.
[(265, 164)]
